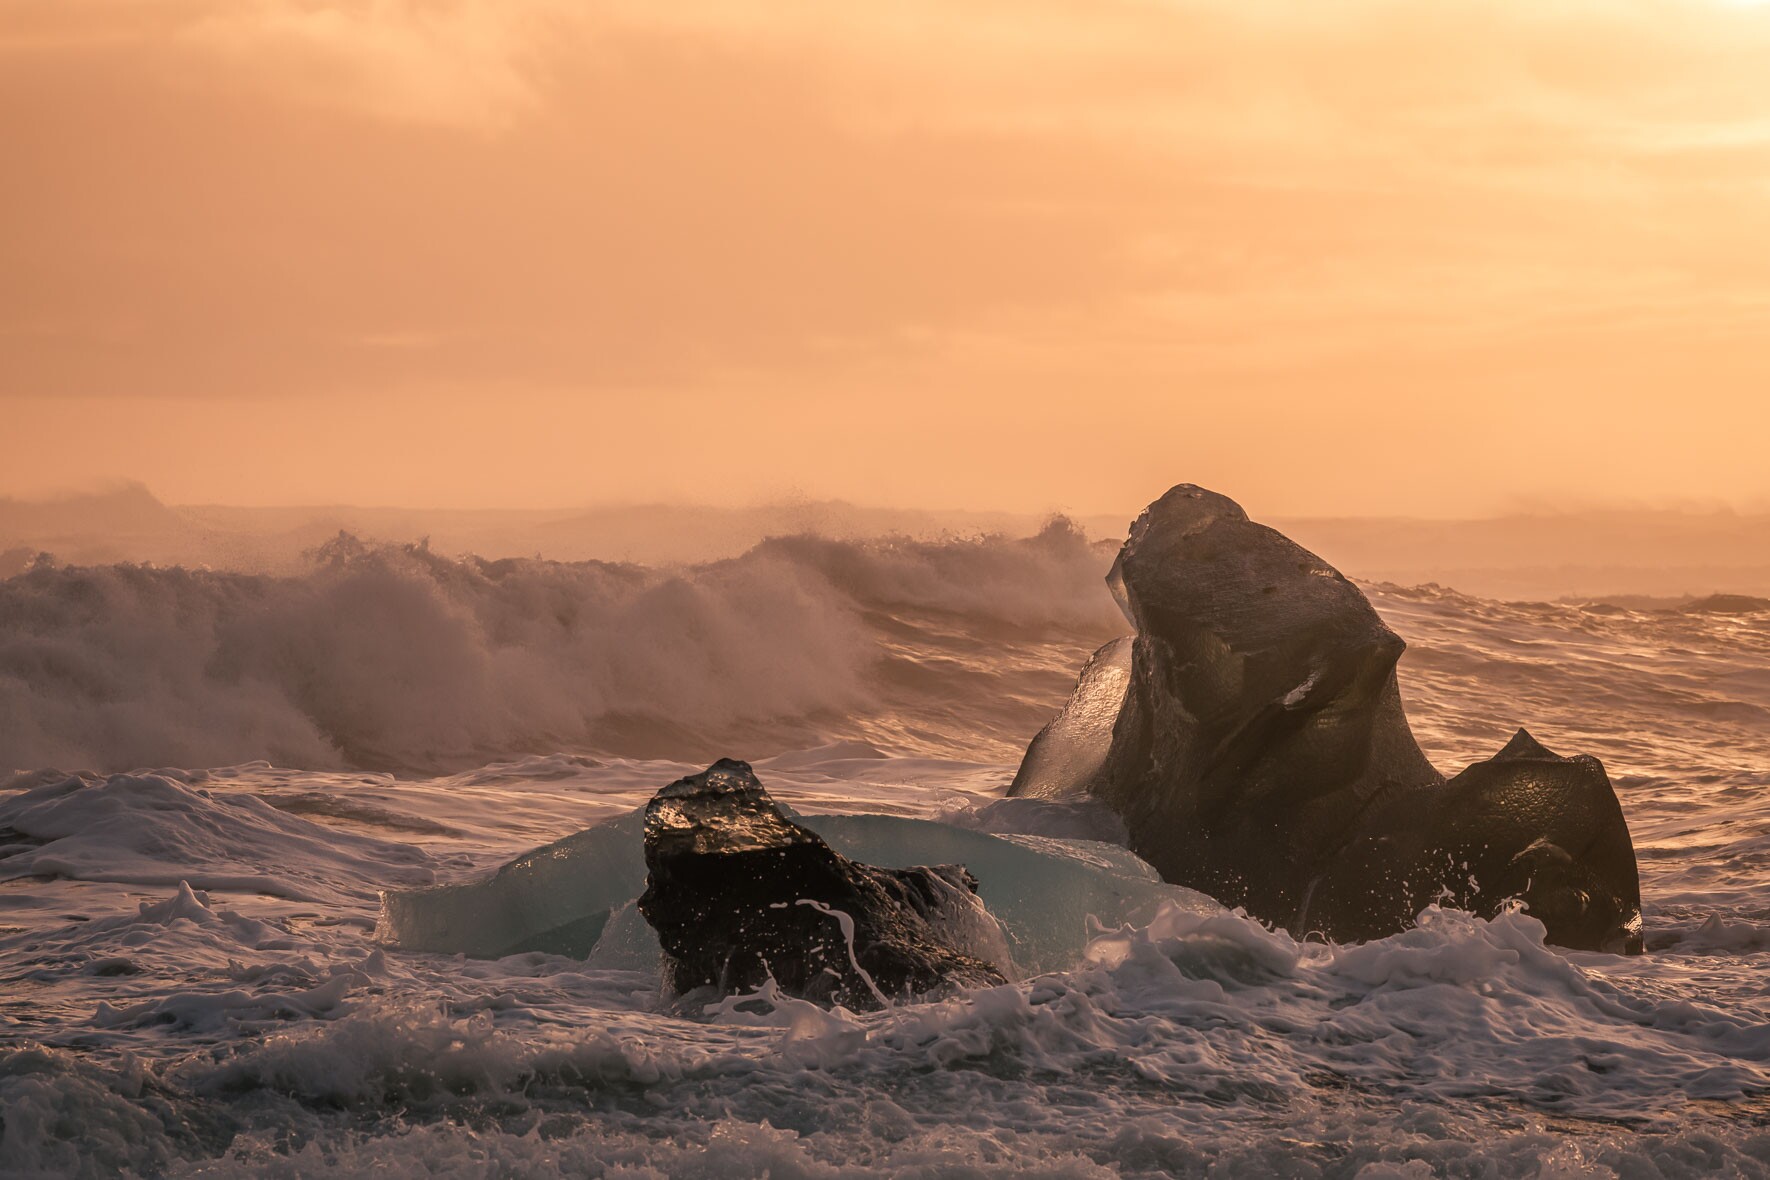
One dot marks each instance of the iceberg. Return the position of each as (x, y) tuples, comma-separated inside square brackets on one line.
[(1252, 738), (576, 896), (742, 897)]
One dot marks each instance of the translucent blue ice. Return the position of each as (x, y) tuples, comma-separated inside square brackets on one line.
[(573, 897)]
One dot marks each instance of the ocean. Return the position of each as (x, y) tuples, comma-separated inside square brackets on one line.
[(217, 774)]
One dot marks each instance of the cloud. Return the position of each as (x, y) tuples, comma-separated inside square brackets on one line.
[(469, 64), (283, 196), (676, 208), (463, 63)]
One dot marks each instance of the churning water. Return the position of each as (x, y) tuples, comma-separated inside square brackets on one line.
[(191, 981)]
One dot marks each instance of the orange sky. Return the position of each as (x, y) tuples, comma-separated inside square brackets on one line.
[(1414, 256)]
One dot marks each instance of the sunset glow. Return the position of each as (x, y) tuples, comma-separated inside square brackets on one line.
[(863, 589), (1364, 257)]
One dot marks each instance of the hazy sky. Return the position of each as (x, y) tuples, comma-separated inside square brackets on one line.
[(1425, 256)]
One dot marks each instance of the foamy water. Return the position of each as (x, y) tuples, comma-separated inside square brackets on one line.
[(193, 984)]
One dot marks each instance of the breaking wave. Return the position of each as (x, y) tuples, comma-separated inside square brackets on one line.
[(394, 657), (196, 987)]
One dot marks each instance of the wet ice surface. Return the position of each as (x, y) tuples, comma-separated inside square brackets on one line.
[(250, 1022)]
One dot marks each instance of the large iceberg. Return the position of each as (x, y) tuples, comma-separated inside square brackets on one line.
[(1252, 738)]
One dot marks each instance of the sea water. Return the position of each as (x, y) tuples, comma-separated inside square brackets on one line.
[(197, 976)]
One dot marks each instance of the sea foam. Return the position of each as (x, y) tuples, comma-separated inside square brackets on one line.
[(396, 657)]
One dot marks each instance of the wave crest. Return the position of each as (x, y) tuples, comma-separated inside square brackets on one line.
[(394, 657)]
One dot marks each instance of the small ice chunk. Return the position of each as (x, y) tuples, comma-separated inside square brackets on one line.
[(573, 897)]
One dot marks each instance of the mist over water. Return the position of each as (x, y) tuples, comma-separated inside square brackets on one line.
[(393, 657), (379, 656), (195, 985)]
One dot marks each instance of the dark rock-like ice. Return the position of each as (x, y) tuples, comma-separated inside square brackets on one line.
[(576, 895), (740, 894), (1261, 754), (1526, 823)]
